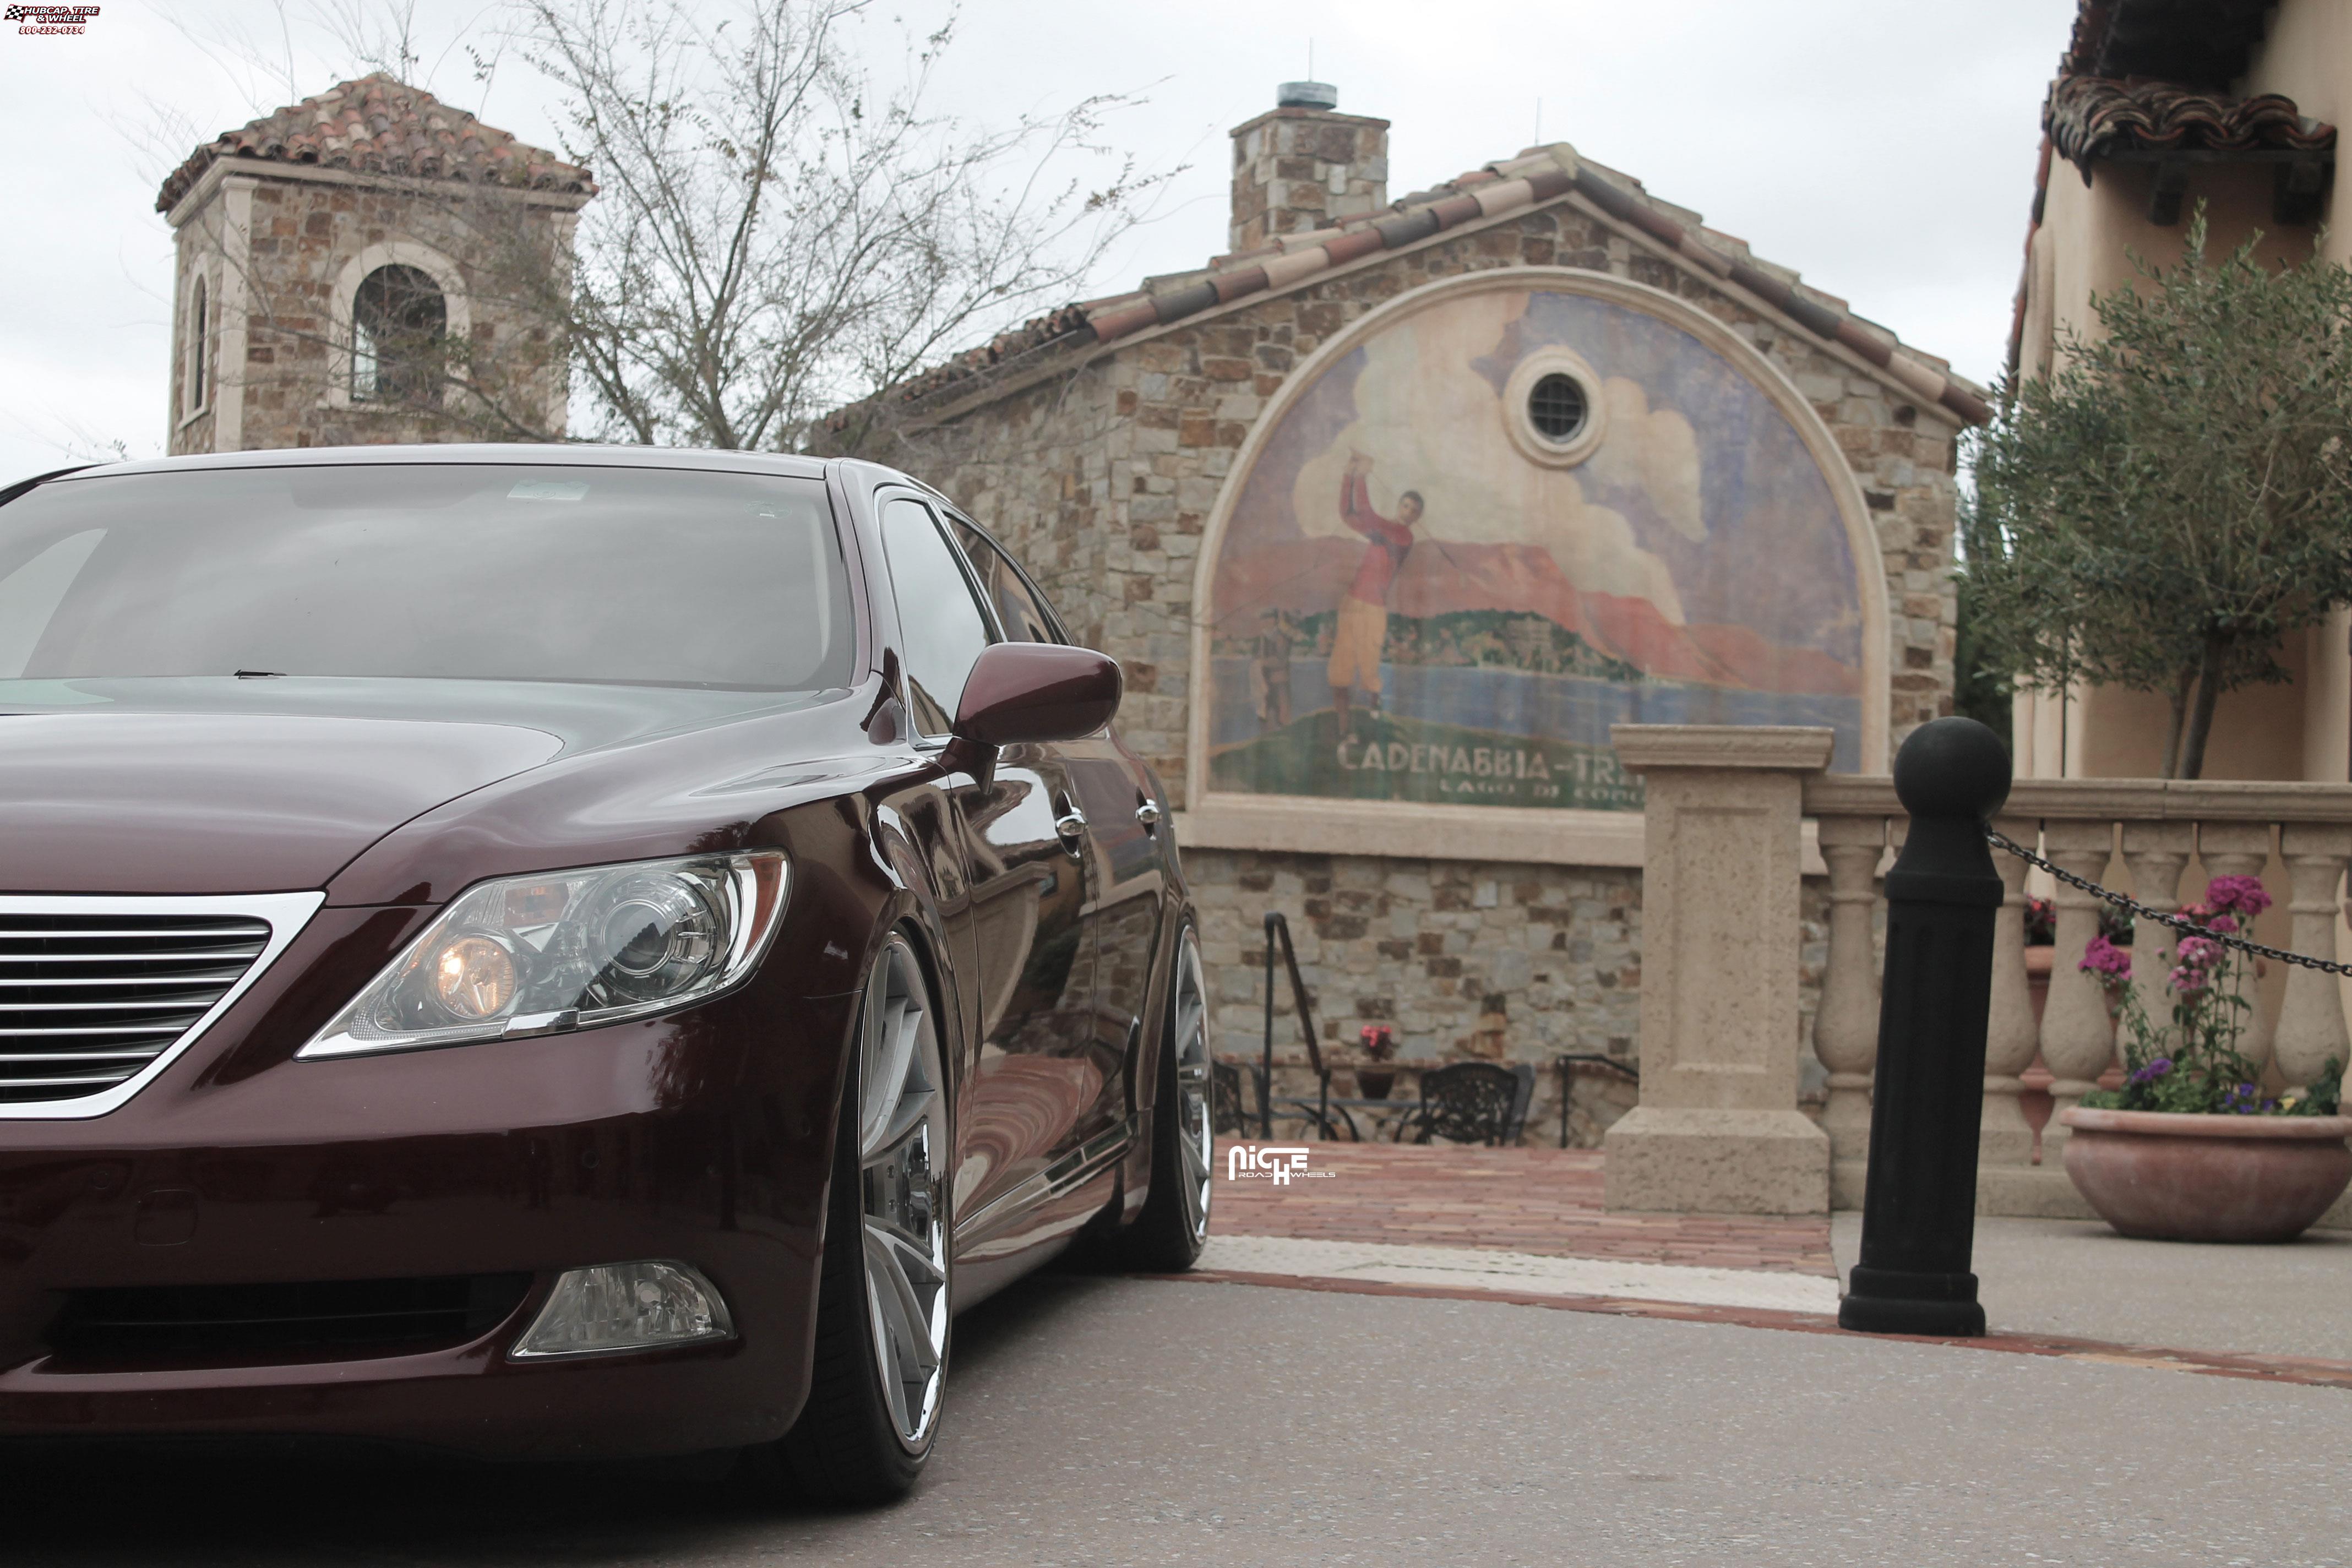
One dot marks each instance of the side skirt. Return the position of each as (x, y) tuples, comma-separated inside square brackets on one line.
[(1030, 1225)]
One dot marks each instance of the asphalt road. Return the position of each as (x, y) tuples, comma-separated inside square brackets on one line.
[(1102, 1422)]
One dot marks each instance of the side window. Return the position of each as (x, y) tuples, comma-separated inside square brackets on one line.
[(940, 621), (1020, 609)]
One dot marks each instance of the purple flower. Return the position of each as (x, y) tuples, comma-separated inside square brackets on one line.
[(2221, 922), (2238, 895), (2102, 958), (2153, 1070), (2189, 982)]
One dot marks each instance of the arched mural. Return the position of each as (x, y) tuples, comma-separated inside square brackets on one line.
[(1509, 516)]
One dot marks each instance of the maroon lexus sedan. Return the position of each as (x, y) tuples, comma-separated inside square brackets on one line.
[(560, 950)]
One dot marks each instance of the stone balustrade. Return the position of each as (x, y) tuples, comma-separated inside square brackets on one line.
[(1725, 849), (2152, 839)]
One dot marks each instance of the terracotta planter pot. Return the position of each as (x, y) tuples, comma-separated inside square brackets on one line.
[(2166, 1177)]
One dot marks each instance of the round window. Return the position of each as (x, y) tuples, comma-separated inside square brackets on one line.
[(1557, 407), (1553, 409)]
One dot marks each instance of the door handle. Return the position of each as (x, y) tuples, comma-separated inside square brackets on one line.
[(1071, 827), (1147, 814)]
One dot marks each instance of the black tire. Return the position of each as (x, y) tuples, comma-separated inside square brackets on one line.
[(1167, 1237), (850, 1447)]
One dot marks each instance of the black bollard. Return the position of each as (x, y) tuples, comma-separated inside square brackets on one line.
[(1919, 1204)]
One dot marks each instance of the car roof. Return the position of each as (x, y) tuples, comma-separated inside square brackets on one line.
[(566, 454)]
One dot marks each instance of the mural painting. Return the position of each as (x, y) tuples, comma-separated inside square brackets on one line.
[(1413, 601)]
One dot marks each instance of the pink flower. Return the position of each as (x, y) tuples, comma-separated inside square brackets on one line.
[(2102, 958), (2221, 922), (2238, 895), (2189, 982), (2200, 952)]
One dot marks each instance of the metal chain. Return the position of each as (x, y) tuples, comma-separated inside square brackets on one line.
[(2138, 911)]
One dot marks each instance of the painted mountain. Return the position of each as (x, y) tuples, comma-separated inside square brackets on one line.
[(1305, 576)]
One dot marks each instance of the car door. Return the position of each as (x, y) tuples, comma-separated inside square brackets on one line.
[(1127, 887), (1106, 790), (1028, 1079)]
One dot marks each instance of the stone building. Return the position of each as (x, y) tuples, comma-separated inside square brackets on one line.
[(356, 269), (2157, 109), (1390, 511)]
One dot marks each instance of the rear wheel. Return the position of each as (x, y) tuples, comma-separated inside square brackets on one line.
[(883, 1320), (1167, 1235)]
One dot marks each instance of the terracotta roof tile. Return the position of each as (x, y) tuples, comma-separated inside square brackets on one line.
[(1536, 175), (379, 125), (2094, 117)]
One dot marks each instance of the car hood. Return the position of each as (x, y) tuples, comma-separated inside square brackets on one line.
[(254, 786)]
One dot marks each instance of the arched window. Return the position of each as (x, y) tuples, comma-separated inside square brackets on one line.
[(199, 335), (400, 323)]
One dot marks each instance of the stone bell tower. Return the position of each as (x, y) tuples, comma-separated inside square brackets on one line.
[(349, 270), (1303, 165)]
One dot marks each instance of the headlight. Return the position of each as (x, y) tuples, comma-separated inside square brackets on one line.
[(569, 950)]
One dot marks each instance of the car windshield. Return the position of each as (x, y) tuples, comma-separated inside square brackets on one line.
[(510, 571)]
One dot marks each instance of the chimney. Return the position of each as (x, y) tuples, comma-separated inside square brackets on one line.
[(1303, 165)]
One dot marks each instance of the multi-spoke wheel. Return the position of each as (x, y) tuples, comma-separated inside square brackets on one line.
[(883, 1302), (902, 1138), (1167, 1235)]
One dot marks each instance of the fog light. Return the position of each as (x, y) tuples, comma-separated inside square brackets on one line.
[(625, 1307)]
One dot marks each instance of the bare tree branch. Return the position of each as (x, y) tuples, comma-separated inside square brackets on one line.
[(776, 235)]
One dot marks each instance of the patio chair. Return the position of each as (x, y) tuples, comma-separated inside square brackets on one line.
[(1471, 1102)]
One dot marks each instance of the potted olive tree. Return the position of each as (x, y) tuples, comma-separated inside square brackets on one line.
[(2189, 1148), (2175, 497)]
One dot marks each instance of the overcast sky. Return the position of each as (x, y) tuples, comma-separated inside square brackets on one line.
[(1883, 148)]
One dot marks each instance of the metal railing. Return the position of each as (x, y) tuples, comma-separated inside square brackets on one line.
[(1566, 1063), (1279, 928)]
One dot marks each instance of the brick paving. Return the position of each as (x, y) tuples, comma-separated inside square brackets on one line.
[(1545, 1202)]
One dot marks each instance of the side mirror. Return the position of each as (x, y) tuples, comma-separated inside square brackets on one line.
[(1032, 691)]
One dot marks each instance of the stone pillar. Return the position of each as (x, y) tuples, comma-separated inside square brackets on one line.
[(2311, 1018), (1304, 166), (1845, 1028), (1718, 1130)]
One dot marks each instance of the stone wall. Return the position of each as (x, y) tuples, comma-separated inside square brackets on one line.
[(1103, 478), (1490, 962), (293, 378)]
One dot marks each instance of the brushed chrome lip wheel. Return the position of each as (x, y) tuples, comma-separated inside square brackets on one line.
[(1195, 1133), (902, 1142)]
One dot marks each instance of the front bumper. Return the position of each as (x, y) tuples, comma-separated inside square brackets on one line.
[(703, 1137)]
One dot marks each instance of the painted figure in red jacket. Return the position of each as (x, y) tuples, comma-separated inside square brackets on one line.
[(1363, 631)]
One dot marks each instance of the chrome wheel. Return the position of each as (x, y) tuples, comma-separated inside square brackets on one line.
[(902, 1141), (1196, 1139)]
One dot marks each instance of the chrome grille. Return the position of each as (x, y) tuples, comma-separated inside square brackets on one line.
[(93, 992)]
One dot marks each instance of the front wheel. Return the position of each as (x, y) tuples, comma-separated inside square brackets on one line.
[(883, 1320), (1167, 1237)]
